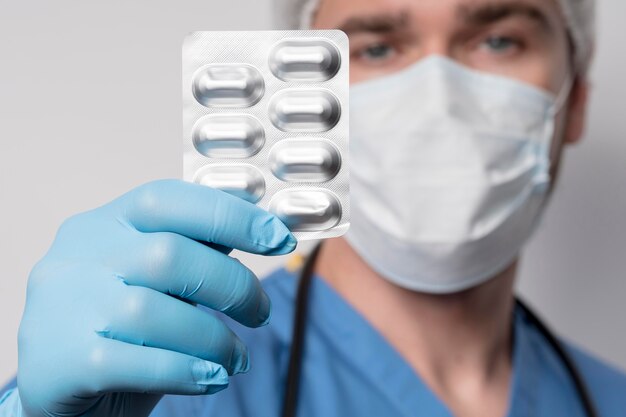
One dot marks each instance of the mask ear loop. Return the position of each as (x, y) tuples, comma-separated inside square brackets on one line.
[(563, 95), (543, 181)]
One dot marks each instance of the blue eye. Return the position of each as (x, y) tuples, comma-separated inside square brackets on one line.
[(377, 52), (500, 44)]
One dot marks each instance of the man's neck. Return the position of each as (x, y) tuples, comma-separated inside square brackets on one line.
[(459, 344)]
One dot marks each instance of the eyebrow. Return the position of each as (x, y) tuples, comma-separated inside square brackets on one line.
[(379, 23), (489, 13)]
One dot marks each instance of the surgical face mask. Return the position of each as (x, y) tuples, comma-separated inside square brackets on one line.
[(449, 173)]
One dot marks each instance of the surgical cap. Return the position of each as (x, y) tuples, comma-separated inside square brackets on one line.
[(579, 16)]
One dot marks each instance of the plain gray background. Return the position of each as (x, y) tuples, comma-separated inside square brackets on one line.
[(90, 106)]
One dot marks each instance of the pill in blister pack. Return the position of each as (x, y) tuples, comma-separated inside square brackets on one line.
[(228, 136), (304, 110), (305, 59), (265, 118), (228, 85)]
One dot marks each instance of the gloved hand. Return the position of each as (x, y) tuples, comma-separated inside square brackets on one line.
[(110, 322)]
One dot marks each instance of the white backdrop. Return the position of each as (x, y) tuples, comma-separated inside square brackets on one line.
[(90, 106)]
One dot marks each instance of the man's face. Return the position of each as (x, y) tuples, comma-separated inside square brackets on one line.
[(522, 39)]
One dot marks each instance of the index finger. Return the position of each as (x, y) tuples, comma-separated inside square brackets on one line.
[(207, 215)]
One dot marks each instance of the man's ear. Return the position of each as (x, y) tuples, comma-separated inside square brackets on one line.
[(577, 111)]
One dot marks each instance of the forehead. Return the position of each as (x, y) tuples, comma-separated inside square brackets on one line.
[(335, 12)]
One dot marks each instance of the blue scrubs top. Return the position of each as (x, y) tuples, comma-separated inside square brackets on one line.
[(349, 369)]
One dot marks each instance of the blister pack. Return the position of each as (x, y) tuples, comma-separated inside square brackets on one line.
[(265, 117)]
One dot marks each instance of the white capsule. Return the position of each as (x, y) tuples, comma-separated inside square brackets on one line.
[(306, 210), (228, 136), (314, 60), (228, 85), (304, 160), (312, 111), (241, 180)]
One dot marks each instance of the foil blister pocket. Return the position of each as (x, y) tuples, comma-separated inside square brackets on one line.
[(265, 118)]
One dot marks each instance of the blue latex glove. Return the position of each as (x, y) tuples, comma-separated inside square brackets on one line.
[(110, 322)]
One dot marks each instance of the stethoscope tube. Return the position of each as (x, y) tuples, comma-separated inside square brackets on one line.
[(292, 386), (290, 402)]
